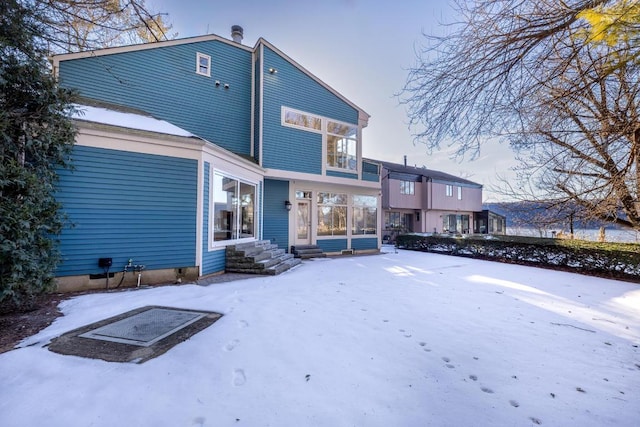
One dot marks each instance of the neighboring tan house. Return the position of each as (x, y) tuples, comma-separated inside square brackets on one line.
[(243, 144), (422, 200)]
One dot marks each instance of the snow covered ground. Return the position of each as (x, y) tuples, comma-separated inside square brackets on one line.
[(397, 339)]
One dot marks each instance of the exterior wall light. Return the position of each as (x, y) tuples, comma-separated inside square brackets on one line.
[(287, 205), (273, 70)]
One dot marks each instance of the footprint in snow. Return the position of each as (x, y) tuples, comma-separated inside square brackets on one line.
[(239, 377), (473, 377), (535, 420), (514, 403), (446, 359), (243, 324), (486, 390), (231, 345), (450, 366)]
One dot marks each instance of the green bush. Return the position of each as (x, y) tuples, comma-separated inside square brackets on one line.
[(613, 260)]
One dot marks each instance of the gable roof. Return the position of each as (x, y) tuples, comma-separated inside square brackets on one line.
[(363, 116), (399, 170)]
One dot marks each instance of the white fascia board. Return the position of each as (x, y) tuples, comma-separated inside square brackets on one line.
[(363, 116), (99, 135), (320, 180), (56, 59)]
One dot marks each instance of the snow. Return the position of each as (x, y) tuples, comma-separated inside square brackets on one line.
[(127, 120), (397, 339)]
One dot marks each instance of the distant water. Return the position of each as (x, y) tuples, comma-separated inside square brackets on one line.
[(613, 235)]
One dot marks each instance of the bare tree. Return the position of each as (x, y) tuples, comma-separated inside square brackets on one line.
[(531, 74), (78, 25)]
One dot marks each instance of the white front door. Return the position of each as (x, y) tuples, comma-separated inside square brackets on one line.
[(303, 222)]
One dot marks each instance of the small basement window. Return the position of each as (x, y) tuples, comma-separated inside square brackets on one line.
[(203, 64)]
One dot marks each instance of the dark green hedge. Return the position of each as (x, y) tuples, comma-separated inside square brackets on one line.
[(613, 260)]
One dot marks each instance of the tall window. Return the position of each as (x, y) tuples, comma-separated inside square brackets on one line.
[(365, 215), (459, 193), (332, 214), (233, 208), (449, 190), (203, 64), (341, 139), (341, 145), (407, 187)]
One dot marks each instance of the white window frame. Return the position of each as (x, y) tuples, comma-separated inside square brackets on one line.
[(200, 56), (459, 193), (325, 133), (408, 188), (238, 218), (449, 190)]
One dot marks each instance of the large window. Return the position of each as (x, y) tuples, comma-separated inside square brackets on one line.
[(332, 214), (455, 224), (341, 139), (233, 208), (365, 215), (398, 221), (407, 187), (341, 146), (449, 190)]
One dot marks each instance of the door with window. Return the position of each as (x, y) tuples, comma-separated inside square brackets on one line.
[(303, 222)]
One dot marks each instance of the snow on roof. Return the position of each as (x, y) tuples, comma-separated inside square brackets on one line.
[(127, 120)]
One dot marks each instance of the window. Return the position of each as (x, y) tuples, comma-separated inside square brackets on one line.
[(407, 187), (332, 214), (449, 190), (398, 221), (341, 145), (455, 224), (365, 215), (302, 120), (203, 64), (233, 208), (341, 138), (459, 193)]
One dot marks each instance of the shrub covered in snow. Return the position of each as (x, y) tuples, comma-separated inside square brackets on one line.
[(615, 260)]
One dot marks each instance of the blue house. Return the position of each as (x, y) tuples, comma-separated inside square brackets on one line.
[(188, 146)]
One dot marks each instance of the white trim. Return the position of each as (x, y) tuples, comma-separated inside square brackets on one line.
[(145, 46), (319, 180), (261, 110), (253, 106), (322, 130), (212, 244), (199, 215), (200, 56)]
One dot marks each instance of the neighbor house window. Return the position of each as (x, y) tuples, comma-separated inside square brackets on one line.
[(341, 145), (449, 190), (233, 208), (459, 193), (203, 64), (407, 187), (365, 215), (332, 214)]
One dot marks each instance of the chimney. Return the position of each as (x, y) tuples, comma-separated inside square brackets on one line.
[(237, 33), (405, 160)]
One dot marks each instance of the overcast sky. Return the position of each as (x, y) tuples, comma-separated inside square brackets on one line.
[(360, 48)]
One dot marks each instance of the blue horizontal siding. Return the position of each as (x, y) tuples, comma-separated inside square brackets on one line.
[(212, 261), (364, 243), (125, 205), (163, 82), (370, 177), (276, 216), (287, 148), (342, 174), (332, 245)]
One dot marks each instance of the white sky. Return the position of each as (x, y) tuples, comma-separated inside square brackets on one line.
[(396, 339), (360, 48)]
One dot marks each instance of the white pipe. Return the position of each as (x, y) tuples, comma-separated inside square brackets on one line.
[(139, 276)]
